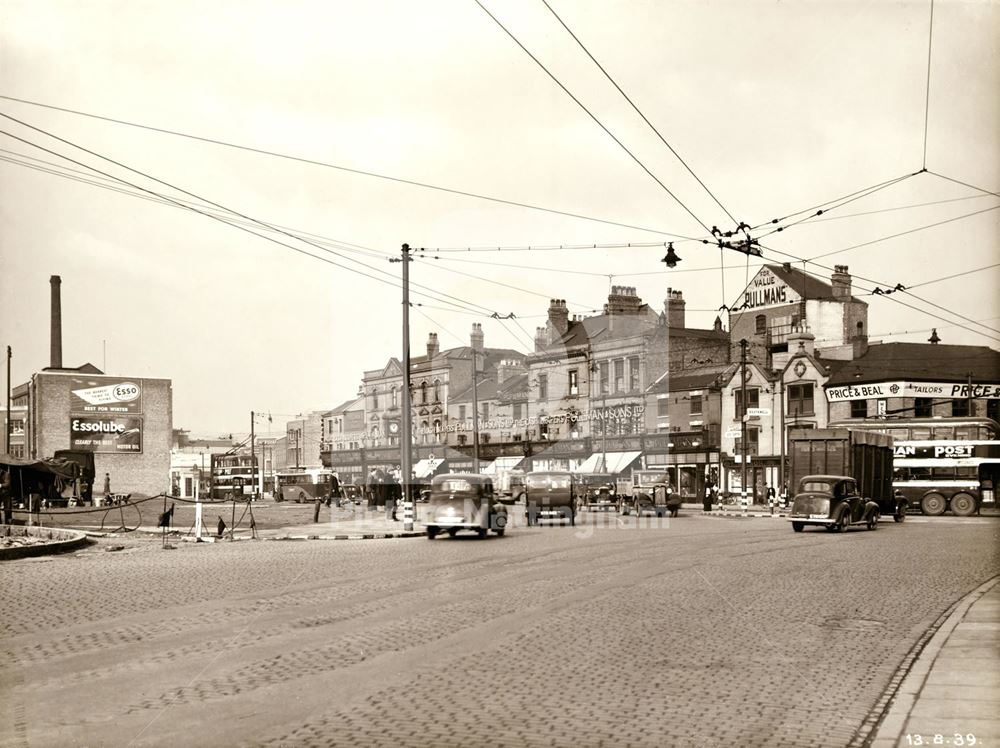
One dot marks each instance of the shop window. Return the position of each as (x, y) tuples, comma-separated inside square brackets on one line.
[(543, 386), (633, 373), (960, 407), (800, 399), (859, 408), (696, 405), (993, 409), (922, 407), (574, 382), (753, 400)]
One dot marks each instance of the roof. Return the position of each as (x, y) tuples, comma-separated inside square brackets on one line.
[(343, 407), (694, 381), (919, 361), (805, 285)]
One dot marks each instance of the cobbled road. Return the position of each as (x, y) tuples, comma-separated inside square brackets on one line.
[(693, 631)]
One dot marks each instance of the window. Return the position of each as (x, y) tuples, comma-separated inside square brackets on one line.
[(543, 386), (485, 411), (922, 407), (753, 400), (423, 392), (960, 407), (437, 390), (374, 398), (619, 375), (517, 411), (543, 430), (861, 329), (993, 409), (484, 438), (574, 382), (393, 395), (753, 439), (760, 324), (437, 430), (462, 438), (633, 373), (461, 412), (605, 368), (859, 408), (696, 405), (800, 399), (663, 407)]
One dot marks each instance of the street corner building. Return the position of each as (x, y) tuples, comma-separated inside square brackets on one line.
[(126, 422)]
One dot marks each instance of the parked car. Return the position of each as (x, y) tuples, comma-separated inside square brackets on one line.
[(464, 501), (597, 491), (833, 502), (651, 493), (550, 495)]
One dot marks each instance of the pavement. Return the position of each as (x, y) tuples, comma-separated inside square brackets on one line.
[(951, 689)]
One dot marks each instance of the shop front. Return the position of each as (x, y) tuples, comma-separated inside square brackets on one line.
[(688, 458)]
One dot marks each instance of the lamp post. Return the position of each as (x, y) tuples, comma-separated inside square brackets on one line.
[(743, 424)]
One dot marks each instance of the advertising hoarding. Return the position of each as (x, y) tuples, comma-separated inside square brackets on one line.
[(106, 434), (116, 396)]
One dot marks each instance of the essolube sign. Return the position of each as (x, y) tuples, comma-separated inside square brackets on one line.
[(104, 427)]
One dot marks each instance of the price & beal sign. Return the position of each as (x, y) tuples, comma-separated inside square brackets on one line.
[(912, 389)]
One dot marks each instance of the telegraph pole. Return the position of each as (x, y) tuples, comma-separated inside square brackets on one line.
[(743, 424), (253, 460), (405, 456), (6, 431), (475, 413)]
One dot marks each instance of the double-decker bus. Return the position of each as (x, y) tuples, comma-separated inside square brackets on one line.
[(942, 464), (233, 476), (303, 486)]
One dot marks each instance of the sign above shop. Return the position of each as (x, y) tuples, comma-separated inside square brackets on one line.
[(912, 389)]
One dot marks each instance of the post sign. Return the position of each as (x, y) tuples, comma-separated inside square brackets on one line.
[(105, 434), (119, 396)]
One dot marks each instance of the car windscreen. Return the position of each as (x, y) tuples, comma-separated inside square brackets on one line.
[(821, 486), (455, 485), (548, 481)]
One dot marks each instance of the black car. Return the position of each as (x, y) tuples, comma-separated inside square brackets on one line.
[(464, 501), (833, 502)]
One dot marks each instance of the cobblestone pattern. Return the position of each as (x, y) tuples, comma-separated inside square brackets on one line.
[(710, 632)]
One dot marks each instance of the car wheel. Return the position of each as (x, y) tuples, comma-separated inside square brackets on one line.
[(845, 521), (500, 532), (900, 514), (481, 532), (873, 521), (963, 505), (452, 532), (933, 504), (432, 533), (798, 526), (499, 521)]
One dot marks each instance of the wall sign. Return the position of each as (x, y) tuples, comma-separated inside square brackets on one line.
[(911, 389), (106, 434), (121, 396)]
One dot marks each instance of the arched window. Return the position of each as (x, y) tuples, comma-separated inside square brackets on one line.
[(423, 432), (374, 398), (437, 390), (394, 394), (437, 429), (423, 393), (760, 324)]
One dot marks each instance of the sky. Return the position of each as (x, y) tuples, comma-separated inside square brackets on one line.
[(774, 108)]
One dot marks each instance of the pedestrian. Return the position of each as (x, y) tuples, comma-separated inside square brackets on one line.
[(392, 496), (771, 498), (372, 485), (334, 489), (107, 488), (784, 495), (707, 501), (6, 497)]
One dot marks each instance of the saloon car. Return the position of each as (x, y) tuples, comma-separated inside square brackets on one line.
[(464, 501), (833, 502)]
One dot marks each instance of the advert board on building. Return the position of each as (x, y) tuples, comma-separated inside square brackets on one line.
[(105, 415)]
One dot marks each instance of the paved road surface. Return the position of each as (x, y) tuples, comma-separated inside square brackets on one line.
[(702, 631)]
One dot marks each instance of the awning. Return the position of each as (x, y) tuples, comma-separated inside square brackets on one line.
[(501, 463), (427, 467), (610, 462)]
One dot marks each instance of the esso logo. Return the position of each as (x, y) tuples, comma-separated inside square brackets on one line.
[(953, 451), (125, 392)]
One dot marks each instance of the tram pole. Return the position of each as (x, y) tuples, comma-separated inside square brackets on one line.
[(743, 425), (406, 432)]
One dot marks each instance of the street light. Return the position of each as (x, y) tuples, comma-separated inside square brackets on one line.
[(671, 259)]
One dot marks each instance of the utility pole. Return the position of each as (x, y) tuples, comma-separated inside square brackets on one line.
[(253, 460), (6, 431), (968, 393), (475, 413), (743, 424), (405, 456)]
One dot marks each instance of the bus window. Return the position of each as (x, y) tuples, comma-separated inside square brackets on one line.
[(965, 433), (920, 433), (943, 432), (969, 472), (944, 473), (903, 434)]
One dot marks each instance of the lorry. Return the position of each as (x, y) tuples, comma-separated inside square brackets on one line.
[(842, 477)]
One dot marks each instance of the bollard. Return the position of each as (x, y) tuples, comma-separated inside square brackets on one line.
[(407, 515)]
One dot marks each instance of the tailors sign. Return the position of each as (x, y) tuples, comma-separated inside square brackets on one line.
[(912, 389)]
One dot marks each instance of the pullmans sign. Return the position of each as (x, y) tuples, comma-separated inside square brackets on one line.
[(766, 290), (911, 389)]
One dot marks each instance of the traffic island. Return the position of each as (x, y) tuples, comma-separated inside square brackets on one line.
[(17, 541)]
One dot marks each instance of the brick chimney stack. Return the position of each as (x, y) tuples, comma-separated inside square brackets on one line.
[(558, 319), (674, 308), (55, 331), (541, 338), (841, 282), (432, 345), (477, 337)]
